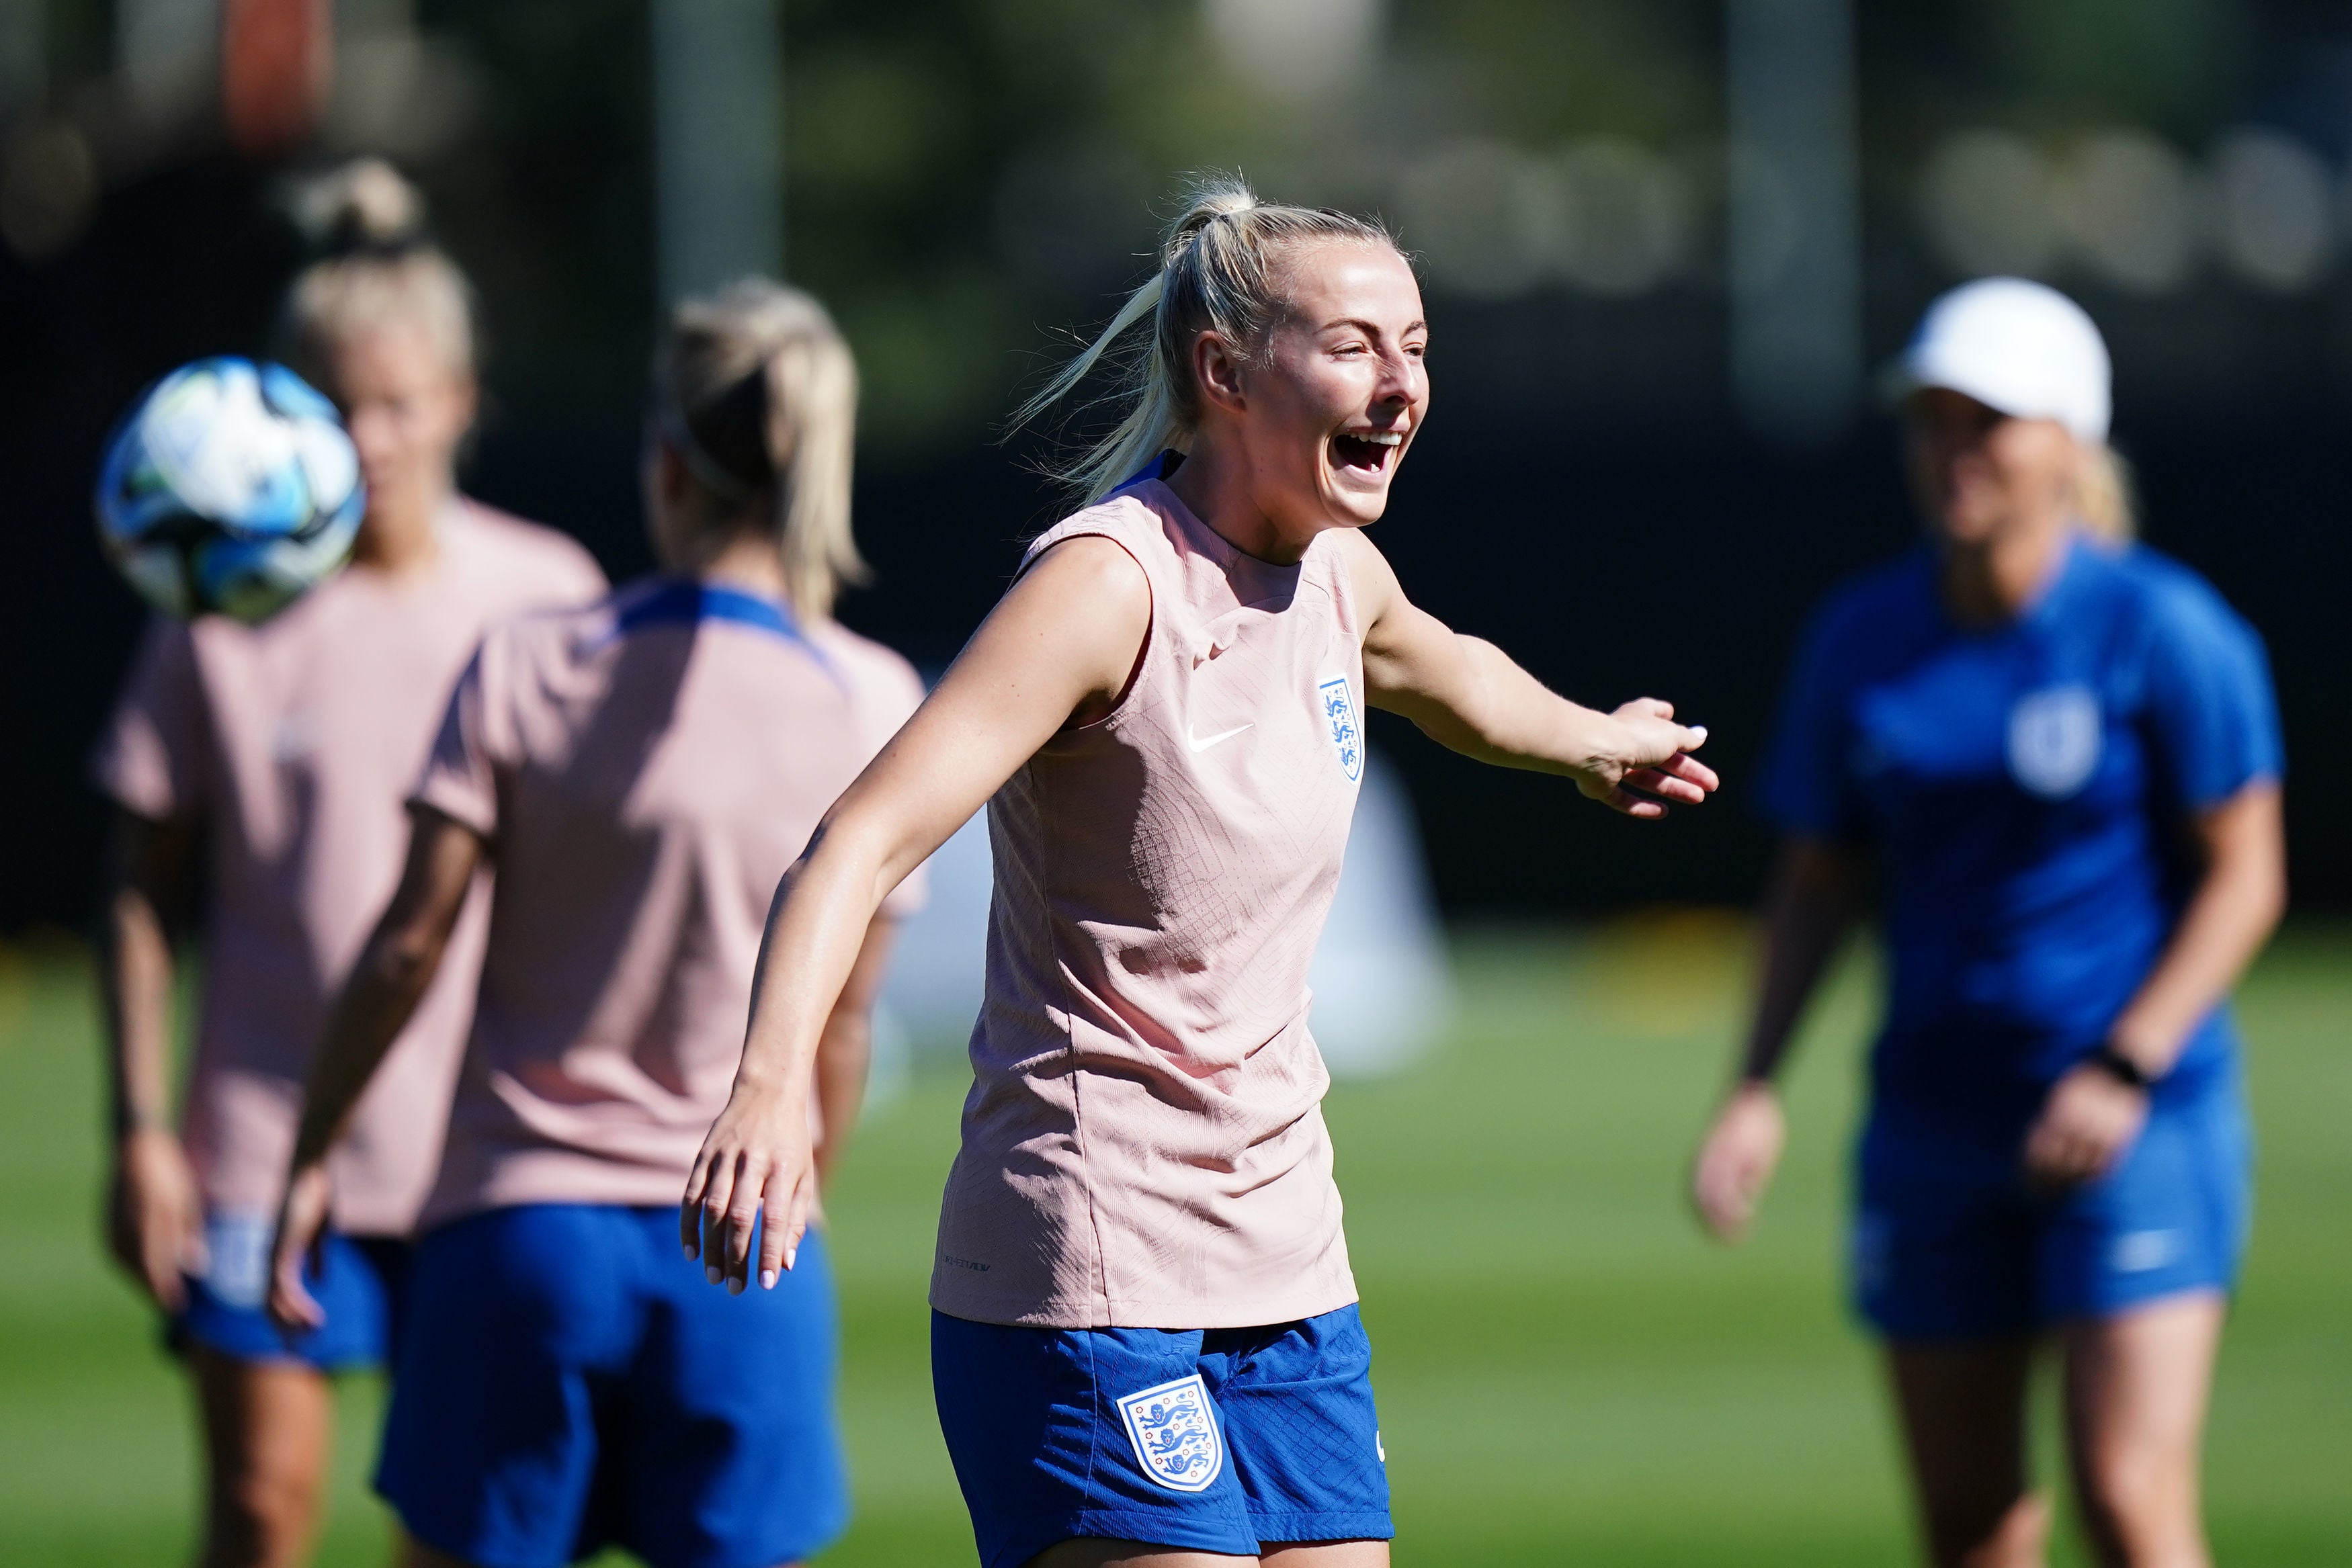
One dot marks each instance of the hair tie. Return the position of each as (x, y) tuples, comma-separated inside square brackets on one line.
[(670, 419)]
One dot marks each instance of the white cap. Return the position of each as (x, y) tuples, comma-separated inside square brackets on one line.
[(2020, 347)]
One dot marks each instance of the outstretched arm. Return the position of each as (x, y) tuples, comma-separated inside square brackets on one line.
[(1055, 651), (398, 963), (1810, 903), (1467, 694)]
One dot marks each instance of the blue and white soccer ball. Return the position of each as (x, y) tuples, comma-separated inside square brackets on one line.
[(231, 488)]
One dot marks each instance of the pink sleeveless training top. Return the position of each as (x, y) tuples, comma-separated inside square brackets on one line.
[(1143, 1145)]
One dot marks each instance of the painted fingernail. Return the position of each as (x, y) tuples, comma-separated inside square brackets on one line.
[(767, 1279), (710, 1272), (735, 1287), (1699, 730), (686, 1248)]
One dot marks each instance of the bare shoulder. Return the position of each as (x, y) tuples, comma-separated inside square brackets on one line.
[(1092, 576), (1371, 577), (1073, 623)]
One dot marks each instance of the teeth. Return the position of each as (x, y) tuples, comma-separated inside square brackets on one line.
[(1376, 438)]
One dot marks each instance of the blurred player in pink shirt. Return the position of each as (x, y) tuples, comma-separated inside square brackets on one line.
[(1145, 1344), (270, 764), (640, 772)]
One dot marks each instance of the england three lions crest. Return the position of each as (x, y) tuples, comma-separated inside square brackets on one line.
[(2054, 740), (1175, 1434), (1340, 719)]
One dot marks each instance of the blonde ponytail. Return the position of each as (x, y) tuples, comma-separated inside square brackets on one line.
[(377, 268), (1217, 273), (756, 392), (2105, 495)]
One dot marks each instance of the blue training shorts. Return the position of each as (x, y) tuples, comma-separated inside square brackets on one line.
[(1955, 1245), (1215, 1439), (357, 1281), (567, 1381)]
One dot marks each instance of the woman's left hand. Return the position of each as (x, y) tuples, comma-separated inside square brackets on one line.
[(1651, 765), (2086, 1125), (756, 1176)]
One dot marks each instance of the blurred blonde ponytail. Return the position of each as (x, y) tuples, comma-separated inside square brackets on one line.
[(1217, 273), (756, 392), (377, 269), (2105, 495)]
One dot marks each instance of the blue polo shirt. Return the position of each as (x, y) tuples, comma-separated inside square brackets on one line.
[(2024, 791)]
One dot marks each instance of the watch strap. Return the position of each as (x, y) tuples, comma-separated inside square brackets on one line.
[(2123, 1068)]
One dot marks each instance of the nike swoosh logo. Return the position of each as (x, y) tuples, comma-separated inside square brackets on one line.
[(1199, 745)]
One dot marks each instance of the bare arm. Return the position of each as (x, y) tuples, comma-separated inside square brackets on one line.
[(2237, 905), (1467, 694), (401, 955), (1055, 651), (846, 1047), (150, 876), (155, 1213), (2091, 1117), (1808, 905)]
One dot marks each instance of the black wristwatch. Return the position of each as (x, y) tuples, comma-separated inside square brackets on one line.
[(2120, 1067)]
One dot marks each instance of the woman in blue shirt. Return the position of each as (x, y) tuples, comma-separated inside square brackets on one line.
[(2059, 754)]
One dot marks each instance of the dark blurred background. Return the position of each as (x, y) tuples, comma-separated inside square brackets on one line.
[(1665, 244)]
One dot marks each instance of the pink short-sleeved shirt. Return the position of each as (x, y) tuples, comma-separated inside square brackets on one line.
[(1144, 1143), (645, 771), (294, 744)]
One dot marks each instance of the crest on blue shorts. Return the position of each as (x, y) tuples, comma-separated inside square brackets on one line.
[(236, 1257), (1340, 719), (1174, 1431)]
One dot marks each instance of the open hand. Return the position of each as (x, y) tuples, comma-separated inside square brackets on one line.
[(295, 1245), (2087, 1123), (1735, 1164), (1652, 764), (755, 1169), (155, 1216)]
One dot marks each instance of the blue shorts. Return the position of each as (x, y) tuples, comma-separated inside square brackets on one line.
[(1950, 1243), (357, 1284), (1216, 1439), (567, 1381)]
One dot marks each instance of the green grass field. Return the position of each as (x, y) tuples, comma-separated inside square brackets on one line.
[(1567, 1373)]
